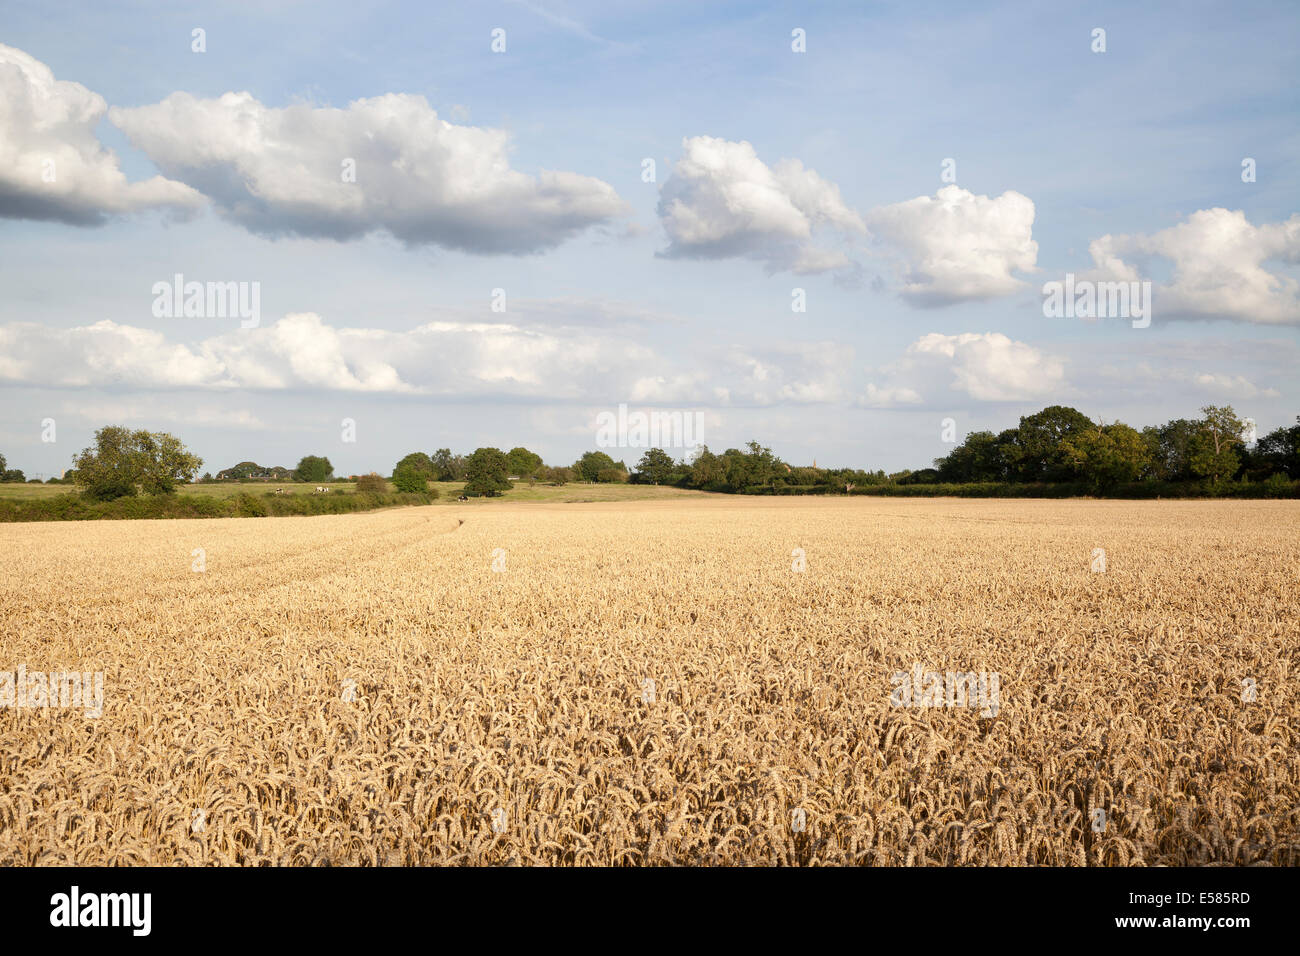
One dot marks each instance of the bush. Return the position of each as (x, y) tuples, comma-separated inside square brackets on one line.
[(110, 490), (557, 476), (249, 506), (1277, 486), (373, 484), (74, 507), (408, 477)]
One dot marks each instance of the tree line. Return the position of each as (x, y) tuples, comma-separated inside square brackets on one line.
[(489, 471), (1058, 446), (1061, 444)]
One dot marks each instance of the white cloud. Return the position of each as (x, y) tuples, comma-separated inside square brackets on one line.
[(1145, 375), (993, 368), (457, 356), (52, 167), (1217, 257), (421, 178), (722, 201), (449, 358), (789, 373), (216, 416), (989, 367), (889, 397), (956, 246), (1233, 386)]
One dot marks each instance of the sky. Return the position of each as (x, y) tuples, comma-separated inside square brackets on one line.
[(828, 229)]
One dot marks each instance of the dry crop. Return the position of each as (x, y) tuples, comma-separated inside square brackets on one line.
[(398, 688)]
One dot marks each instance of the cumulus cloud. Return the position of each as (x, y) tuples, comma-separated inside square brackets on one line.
[(456, 356), (795, 373), (991, 367), (956, 246), (424, 180), (211, 415), (1145, 376), (447, 357), (52, 167), (988, 367), (888, 397), (1217, 257), (722, 201), (1233, 386)]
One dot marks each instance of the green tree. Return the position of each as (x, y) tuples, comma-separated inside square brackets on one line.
[(983, 456), (706, 469), (4, 465), (241, 472), (1107, 456), (656, 466), (111, 468), (313, 468), (590, 465), (164, 462), (122, 459), (556, 476), (418, 460), (523, 463), (486, 473), (408, 476), (1214, 449), (448, 467), (1038, 441), (762, 466), (1279, 451), (1170, 446)]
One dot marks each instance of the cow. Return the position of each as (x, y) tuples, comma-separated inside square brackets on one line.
[(463, 498)]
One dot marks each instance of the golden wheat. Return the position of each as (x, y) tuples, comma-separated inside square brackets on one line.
[(367, 689)]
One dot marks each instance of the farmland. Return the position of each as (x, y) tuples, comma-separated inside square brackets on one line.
[(696, 679)]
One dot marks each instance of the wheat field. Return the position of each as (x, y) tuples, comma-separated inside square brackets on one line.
[(658, 683)]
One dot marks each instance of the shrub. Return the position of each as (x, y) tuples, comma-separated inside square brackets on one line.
[(373, 484), (1277, 485), (408, 477), (250, 506)]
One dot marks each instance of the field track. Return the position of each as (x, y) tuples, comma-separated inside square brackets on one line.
[(367, 689)]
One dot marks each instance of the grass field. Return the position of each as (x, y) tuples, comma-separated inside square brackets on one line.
[(425, 685), (449, 490)]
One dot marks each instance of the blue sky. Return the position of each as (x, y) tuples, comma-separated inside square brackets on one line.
[(923, 295)]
